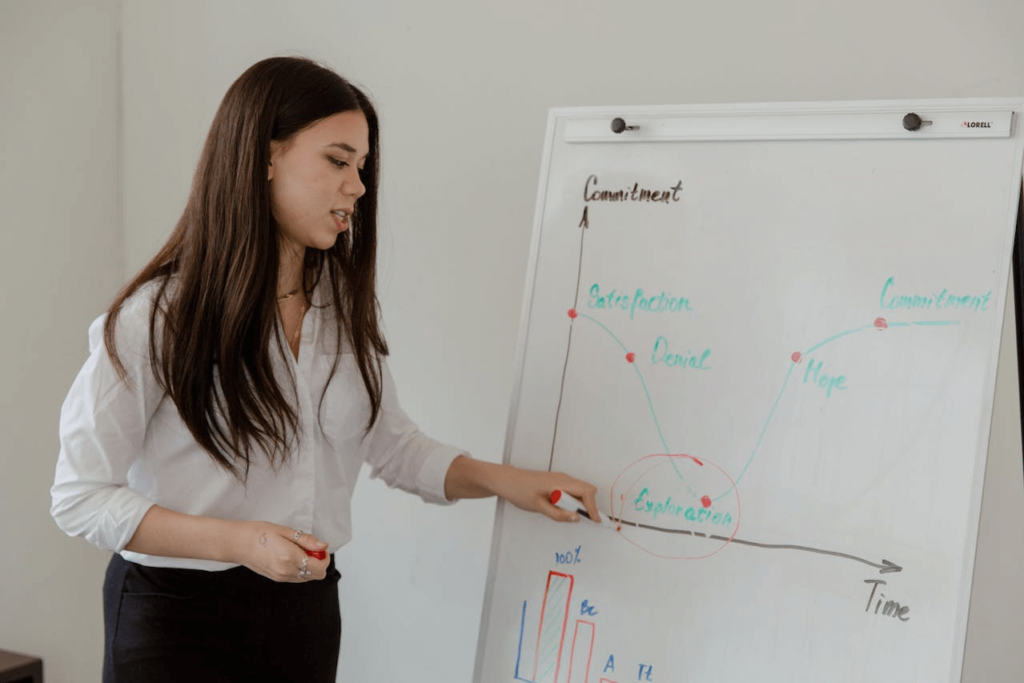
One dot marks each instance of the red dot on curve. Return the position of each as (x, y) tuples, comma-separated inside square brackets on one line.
[(630, 357), (573, 313), (706, 501), (796, 356), (881, 324)]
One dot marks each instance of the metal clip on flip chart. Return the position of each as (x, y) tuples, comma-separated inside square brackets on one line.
[(619, 125), (914, 122)]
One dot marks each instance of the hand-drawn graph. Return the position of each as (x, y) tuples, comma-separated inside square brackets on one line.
[(693, 500), (669, 505), (552, 637), (781, 386)]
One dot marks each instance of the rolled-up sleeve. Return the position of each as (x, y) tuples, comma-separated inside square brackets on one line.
[(102, 429), (403, 456)]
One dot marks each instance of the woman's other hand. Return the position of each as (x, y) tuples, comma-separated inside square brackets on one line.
[(279, 553)]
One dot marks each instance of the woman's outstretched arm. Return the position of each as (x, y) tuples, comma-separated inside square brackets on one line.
[(529, 490)]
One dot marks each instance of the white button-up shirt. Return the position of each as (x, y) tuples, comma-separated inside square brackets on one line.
[(123, 449)]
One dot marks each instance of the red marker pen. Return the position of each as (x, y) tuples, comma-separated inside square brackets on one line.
[(318, 554), (567, 501)]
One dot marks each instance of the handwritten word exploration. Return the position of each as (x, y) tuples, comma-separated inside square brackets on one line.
[(694, 514)]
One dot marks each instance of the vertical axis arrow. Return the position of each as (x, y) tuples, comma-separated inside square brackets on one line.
[(583, 226)]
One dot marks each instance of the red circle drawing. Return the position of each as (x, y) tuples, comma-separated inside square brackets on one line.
[(674, 538)]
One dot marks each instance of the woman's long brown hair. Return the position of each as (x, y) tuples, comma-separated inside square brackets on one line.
[(216, 277)]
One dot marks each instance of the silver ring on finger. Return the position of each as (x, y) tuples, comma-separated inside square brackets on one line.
[(298, 532), (303, 572)]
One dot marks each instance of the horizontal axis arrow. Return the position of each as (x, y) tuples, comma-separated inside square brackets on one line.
[(886, 567)]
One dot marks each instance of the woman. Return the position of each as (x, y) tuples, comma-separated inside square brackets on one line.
[(234, 389)]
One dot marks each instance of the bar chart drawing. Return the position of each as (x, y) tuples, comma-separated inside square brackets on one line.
[(554, 617), (581, 652), (551, 637)]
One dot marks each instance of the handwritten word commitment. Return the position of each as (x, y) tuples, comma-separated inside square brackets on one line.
[(591, 193), (660, 303), (890, 298)]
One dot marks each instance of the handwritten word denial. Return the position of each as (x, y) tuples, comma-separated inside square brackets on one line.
[(634, 193)]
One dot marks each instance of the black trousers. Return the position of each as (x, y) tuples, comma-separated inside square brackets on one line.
[(174, 625)]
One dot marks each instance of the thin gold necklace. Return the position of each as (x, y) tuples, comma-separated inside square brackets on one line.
[(302, 314), (298, 328)]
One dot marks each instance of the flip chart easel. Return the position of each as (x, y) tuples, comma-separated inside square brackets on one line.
[(769, 334)]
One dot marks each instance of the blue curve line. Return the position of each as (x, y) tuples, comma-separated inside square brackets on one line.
[(760, 437), (926, 323), (602, 326), (771, 414), (785, 382), (778, 399), (647, 393), (651, 404), (838, 336)]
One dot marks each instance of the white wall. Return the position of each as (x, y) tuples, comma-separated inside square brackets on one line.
[(463, 87), (993, 651), (60, 263)]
